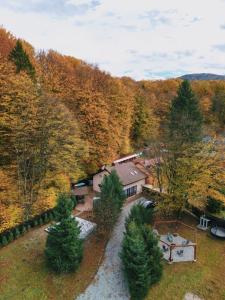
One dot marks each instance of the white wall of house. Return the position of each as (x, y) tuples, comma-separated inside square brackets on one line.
[(139, 185), (97, 179)]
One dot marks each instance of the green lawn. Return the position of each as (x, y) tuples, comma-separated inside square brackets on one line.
[(205, 278), (23, 274)]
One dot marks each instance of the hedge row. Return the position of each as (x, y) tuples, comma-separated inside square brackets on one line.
[(11, 234)]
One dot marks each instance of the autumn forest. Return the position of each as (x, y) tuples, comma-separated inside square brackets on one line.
[(61, 119)]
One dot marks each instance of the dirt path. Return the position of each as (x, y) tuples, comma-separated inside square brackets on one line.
[(109, 282)]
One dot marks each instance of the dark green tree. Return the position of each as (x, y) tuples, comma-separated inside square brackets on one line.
[(16, 233), (64, 249), (184, 135), (185, 117), (4, 241), (21, 60), (154, 254), (109, 204), (140, 215), (64, 207), (136, 262), (117, 190), (218, 105)]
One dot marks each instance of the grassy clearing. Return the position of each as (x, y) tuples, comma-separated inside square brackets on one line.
[(24, 276), (204, 278)]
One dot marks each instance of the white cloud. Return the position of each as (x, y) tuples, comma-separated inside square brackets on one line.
[(141, 39)]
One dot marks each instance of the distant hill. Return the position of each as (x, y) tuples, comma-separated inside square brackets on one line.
[(203, 76)]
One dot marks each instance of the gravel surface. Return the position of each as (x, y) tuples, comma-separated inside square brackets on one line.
[(109, 282)]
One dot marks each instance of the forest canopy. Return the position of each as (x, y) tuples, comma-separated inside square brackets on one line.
[(62, 119)]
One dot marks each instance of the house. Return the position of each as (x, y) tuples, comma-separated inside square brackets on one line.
[(130, 175)]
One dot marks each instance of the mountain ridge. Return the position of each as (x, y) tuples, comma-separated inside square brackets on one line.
[(202, 76)]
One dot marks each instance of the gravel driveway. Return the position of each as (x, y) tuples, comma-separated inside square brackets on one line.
[(109, 282)]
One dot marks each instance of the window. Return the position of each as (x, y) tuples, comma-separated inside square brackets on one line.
[(131, 191)]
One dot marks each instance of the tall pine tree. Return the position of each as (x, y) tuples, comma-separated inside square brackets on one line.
[(136, 262), (64, 248), (21, 60), (185, 117), (154, 254), (109, 204), (64, 207), (183, 139)]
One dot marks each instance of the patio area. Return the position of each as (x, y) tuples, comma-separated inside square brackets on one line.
[(175, 245), (174, 251)]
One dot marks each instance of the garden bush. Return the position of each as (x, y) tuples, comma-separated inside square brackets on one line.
[(10, 237), (4, 241), (23, 230), (51, 217), (36, 223), (46, 218), (16, 233), (213, 205)]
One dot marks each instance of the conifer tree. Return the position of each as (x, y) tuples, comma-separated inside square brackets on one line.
[(64, 207), (136, 262), (109, 204), (21, 59), (64, 249), (154, 254), (183, 145), (117, 190), (140, 215), (185, 117)]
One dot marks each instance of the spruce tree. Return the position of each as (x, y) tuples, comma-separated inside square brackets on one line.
[(64, 248), (136, 262), (21, 60), (183, 145), (64, 207), (185, 117), (109, 204), (140, 215), (154, 254), (117, 190)]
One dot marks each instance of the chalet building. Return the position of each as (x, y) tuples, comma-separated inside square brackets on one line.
[(130, 175)]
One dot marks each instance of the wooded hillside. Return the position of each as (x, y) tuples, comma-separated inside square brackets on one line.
[(61, 119)]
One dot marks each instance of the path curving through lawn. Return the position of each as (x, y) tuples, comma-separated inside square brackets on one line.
[(109, 282)]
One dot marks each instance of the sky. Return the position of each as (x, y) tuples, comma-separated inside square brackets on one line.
[(142, 39)]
